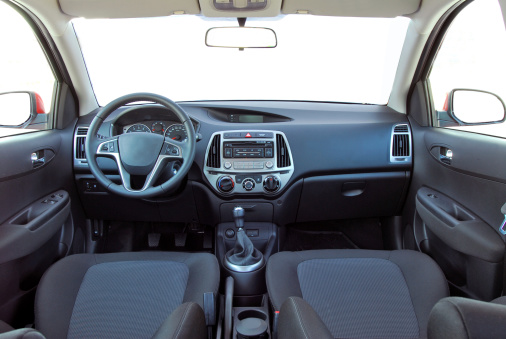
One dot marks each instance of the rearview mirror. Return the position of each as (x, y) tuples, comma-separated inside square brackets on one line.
[(18, 109), (474, 107), (241, 37)]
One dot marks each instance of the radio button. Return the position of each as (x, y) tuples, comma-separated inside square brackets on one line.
[(269, 164), (263, 135), (228, 165), (228, 153), (269, 153)]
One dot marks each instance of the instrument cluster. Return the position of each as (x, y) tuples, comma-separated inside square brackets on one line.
[(169, 129)]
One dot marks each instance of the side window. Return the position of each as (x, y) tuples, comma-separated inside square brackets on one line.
[(26, 81), (472, 57)]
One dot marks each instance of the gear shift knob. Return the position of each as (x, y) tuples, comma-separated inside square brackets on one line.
[(239, 217)]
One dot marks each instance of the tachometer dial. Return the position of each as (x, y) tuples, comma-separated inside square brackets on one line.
[(158, 127), (176, 132), (138, 128)]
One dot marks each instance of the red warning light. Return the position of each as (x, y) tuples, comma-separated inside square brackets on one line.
[(248, 135)]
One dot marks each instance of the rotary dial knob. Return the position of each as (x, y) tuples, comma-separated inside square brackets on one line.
[(248, 184)]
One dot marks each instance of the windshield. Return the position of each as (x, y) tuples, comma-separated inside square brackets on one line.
[(318, 58)]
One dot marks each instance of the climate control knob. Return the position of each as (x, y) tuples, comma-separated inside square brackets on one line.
[(248, 184), (271, 183), (226, 184)]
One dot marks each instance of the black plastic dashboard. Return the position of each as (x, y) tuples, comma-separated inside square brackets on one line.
[(345, 160)]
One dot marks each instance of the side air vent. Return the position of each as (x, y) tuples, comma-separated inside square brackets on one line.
[(82, 131), (401, 129), (283, 157), (80, 140), (401, 144), (213, 157)]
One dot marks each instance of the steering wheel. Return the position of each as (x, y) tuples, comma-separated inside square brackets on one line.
[(140, 154)]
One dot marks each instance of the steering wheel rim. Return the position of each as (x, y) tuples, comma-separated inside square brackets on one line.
[(133, 149)]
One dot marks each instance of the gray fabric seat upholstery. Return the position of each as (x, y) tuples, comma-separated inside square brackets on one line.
[(466, 318), (126, 295), (355, 293)]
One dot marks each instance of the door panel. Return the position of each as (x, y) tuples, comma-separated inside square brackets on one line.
[(36, 226), (459, 228)]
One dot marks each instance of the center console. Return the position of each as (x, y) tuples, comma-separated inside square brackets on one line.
[(248, 162)]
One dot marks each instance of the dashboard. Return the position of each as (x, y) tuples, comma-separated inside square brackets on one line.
[(285, 161)]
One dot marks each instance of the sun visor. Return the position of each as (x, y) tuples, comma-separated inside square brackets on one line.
[(240, 8), (352, 8), (128, 8)]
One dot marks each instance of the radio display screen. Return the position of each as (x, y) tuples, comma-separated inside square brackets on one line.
[(251, 118)]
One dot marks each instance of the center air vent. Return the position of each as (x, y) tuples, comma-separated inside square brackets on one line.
[(80, 140), (400, 144), (213, 157), (283, 156)]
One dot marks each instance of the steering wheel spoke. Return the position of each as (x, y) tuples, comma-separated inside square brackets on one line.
[(126, 178)]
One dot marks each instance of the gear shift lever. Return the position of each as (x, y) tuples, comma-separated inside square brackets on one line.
[(243, 253), (239, 217)]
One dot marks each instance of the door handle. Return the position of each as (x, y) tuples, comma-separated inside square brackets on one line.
[(446, 155), (38, 159), (442, 154)]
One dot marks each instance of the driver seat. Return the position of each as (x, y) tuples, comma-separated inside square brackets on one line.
[(126, 295)]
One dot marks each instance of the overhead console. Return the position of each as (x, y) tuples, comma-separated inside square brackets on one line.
[(248, 162)]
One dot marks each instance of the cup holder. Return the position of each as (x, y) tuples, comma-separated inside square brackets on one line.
[(251, 324)]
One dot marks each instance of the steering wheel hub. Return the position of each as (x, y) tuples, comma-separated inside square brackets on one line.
[(139, 151)]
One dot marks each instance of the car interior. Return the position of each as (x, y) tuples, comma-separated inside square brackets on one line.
[(250, 169)]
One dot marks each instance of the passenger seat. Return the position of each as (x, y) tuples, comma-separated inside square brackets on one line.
[(354, 293)]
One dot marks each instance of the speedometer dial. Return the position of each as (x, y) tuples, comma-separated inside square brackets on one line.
[(176, 132), (138, 128)]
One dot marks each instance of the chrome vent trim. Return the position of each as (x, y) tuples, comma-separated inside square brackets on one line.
[(282, 153), (400, 145), (214, 155), (79, 143)]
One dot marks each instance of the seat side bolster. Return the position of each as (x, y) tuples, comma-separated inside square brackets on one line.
[(425, 280), (187, 321), (22, 333), (465, 318), (57, 293), (298, 320)]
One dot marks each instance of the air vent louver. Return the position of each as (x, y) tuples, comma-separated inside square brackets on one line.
[(400, 146), (213, 157), (283, 157), (82, 131), (79, 143), (401, 129)]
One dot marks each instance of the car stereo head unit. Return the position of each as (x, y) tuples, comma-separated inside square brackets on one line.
[(248, 149)]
